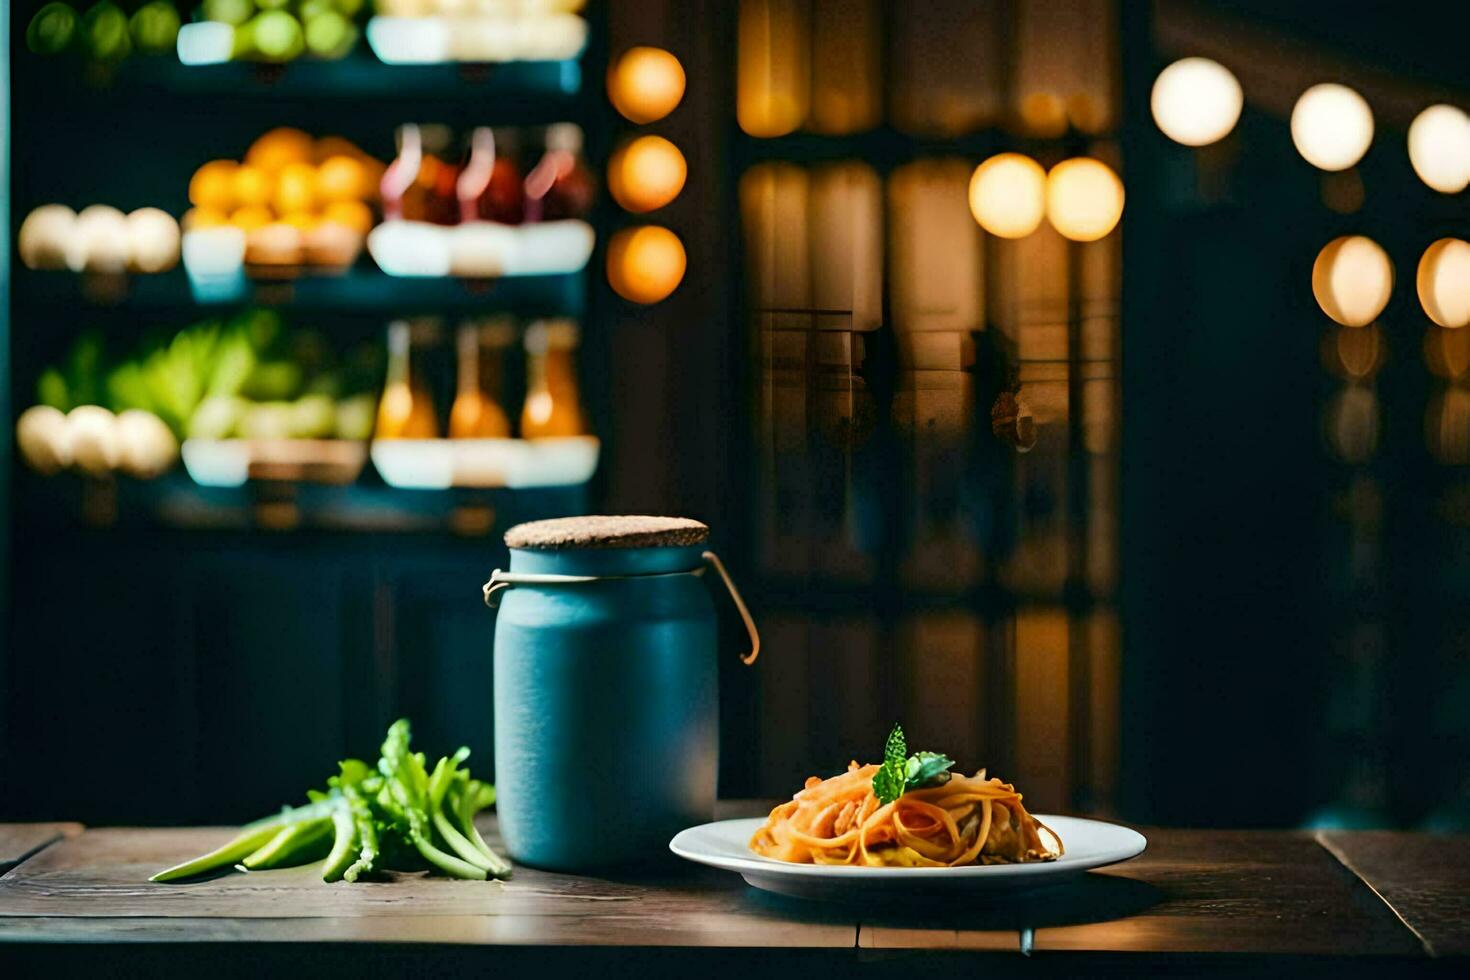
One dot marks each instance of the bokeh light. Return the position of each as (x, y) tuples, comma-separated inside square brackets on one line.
[(1439, 148), (1084, 199), (1352, 280), (1447, 353), (1447, 426), (1008, 195), (1352, 423), (1196, 101), (645, 264), (1331, 126), (1444, 282), (645, 84), (1353, 354), (646, 174)]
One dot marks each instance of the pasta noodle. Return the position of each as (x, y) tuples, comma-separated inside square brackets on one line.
[(965, 820)]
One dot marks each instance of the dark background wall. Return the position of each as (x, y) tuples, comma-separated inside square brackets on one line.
[(1285, 625)]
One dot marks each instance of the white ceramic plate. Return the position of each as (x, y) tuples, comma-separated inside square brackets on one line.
[(724, 844)]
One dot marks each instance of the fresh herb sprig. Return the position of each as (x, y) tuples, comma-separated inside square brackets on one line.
[(900, 772)]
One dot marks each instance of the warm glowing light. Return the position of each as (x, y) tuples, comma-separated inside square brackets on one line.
[(1352, 423), (773, 67), (646, 174), (1447, 426), (645, 84), (1008, 195), (1439, 148), (1353, 354), (1447, 353), (1331, 126), (1084, 199), (1444, 282), (645, 264), (1196, 101), (1352, 279)]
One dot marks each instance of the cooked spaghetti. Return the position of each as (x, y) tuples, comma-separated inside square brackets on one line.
[(965, 820)]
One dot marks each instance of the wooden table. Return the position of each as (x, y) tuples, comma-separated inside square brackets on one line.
[(1221, 902)]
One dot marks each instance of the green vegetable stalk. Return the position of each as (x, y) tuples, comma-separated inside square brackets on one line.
[(370, 819)]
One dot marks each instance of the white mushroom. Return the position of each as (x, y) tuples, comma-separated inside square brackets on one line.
[(94, 442), (153, 237), (146, 446), (45, 236), (44, 438), (99, 240)]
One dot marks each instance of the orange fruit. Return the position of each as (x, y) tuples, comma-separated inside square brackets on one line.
[(295, 188), (354, 214), (303, 220), (212, 185), (341, 178), (251, 217), (253, 186), (202, 217), (275, 149), (334, 146)]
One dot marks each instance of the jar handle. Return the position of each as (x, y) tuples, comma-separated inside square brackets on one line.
[(755, 636)]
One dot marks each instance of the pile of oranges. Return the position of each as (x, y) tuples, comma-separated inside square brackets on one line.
[(298, 200)]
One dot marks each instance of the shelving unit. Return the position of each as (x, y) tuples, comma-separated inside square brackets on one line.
[(194, 613), (361, 289)]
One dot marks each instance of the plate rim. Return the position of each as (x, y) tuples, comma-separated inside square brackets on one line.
[(756, 864)]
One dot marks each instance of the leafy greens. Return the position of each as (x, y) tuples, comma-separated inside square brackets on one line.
[(397, 815)]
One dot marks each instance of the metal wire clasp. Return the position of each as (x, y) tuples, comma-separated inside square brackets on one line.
[(500, 581)]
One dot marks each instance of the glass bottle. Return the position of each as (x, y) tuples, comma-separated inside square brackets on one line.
[(402, 198), (553, 404), (501, 199), (560, 185), (406, 410), (474, 178), (437, 178), (476, 412)]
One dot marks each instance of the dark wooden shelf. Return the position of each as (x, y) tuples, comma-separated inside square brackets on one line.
[(68, 504), (360, 289), (544, 91)]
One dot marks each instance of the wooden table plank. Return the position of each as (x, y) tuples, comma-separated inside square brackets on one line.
[(19, 841), (99, 881), (1424, 878), (1262, 892)]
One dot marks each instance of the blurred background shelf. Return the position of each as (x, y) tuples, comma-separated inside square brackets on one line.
[(361, 289), (68, 504), (516, 91)]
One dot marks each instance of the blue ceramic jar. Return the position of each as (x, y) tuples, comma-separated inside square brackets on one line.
[(606, 710)]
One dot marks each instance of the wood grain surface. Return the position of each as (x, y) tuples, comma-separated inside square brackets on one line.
[(1193, 896), (19, 841), (1270, 892), (90, 886), (1424, 878)]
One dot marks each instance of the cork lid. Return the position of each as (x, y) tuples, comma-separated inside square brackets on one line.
[(602, 531)]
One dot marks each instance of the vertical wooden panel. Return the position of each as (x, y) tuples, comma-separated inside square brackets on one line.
[(773, 77), (1066, 65), (1105, 654), (937, 274), (1043, 746), (946, 686), (948, 66), (846, 246), (843, 679), (785, 692), (846, 68), (773, 211)]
